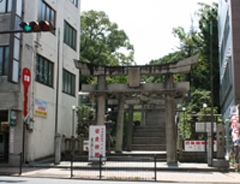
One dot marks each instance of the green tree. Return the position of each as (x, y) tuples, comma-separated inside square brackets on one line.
[(199, 97), (202, 74), (83, 112), (194, 42), (188, 46), (171, 57), (102, 41)]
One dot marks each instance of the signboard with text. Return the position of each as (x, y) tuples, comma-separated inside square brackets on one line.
[(85, 145), (40, 108), (201, 126), (197, 146), (26, 78), (97, 142), (12, 118)]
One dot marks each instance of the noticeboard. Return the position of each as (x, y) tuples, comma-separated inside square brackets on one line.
[(41, 108), (97, 142), (197, 146)]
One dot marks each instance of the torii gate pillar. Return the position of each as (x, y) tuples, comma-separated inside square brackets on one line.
[(170, 123), (100, 111)]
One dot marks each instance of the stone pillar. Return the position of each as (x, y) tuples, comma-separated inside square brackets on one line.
[(81, 139), (143, 118), (220, 142), (120, 124), (100, 110), (57, 157), (63, 145), (129, 130), (170, 123)]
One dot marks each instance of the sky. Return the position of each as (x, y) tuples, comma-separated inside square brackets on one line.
[(149, 23)]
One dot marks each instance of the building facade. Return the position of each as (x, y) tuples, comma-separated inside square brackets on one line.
[(54, 80), (229, 54)]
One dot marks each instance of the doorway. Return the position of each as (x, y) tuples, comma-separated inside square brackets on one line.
[(4, 136)]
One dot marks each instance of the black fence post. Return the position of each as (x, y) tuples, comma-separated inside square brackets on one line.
[(71, 165), (20, 163), (100, 167), (155, 167)]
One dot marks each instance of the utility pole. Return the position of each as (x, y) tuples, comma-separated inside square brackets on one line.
[(210, 138)]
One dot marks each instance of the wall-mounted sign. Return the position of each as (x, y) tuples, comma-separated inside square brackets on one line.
[(41, 108), (26, 78), (201, 127), (197, 146), (97, 142), (12, 118), (85, 145)]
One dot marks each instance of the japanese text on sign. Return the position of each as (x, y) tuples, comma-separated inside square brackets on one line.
[(97, 142)]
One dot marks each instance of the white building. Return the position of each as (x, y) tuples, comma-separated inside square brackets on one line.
[(229, 54), (54, 79)]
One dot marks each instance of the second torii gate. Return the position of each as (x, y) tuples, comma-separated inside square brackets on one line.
[(169, 89)]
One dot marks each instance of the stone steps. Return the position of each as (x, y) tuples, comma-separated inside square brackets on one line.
[(149, 147), (149, 138)]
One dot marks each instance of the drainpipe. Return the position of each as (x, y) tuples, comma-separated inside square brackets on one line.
[(57, 93)]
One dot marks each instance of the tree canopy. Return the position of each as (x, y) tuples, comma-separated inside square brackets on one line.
[(102, 42), (191, 43)]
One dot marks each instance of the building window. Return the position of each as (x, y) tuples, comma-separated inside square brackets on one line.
[(74, 2), (45, 12), (68, 83), (5, 6), (44, 71), (69, 35), (4, 60), (225, 38), (226, 82)]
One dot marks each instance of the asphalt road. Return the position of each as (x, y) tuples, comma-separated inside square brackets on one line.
[(24, 180)]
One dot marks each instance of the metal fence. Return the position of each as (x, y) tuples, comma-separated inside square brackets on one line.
[(115, 168), (13, 166)]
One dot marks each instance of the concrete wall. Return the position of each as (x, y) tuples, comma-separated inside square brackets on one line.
[(43, 134), (40, 142)]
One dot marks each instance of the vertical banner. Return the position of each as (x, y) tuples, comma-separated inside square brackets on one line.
[(26, 77), (97, 142), (11, 140), (234, 124)]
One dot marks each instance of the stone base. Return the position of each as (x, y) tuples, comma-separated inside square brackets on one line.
[(221, 163)]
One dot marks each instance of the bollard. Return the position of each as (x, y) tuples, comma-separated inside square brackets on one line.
[(155, 167), (71, 165), (20, 163), (100, 167)]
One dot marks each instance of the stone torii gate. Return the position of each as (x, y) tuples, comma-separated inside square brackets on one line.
[(169, 89)]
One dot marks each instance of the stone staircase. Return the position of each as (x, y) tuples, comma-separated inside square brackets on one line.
[(149, 138)]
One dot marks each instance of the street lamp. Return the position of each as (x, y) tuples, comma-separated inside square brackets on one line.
[(184, 110), (205, 131)]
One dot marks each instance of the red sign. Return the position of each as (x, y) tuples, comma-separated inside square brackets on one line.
[(26, 77)]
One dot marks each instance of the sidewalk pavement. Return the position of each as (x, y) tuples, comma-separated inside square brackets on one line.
[(183, 172)]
